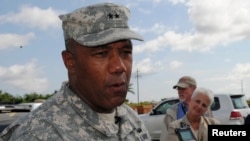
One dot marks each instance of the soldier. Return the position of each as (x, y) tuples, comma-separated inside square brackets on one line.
[(90, 105)]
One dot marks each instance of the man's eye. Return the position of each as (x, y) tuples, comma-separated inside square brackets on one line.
[(101, 53), (127, 51)]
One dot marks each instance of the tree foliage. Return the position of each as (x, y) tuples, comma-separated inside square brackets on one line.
[(7, 98)]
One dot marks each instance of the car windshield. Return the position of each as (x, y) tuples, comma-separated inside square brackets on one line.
[(162, 108), (239, 102)]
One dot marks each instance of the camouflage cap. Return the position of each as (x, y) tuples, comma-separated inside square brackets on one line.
[(98, 24), (185, 81)]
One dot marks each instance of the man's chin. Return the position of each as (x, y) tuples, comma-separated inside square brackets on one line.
[(119, 101), (182, 99)]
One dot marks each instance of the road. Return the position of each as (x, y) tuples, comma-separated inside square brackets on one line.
[(9, 117)]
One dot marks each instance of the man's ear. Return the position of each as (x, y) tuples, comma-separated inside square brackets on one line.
[(68, 60)]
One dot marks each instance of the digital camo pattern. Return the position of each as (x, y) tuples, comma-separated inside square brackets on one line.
[(98, 24), (65, 117)]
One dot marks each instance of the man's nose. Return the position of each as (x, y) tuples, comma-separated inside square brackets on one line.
[(116, 64)]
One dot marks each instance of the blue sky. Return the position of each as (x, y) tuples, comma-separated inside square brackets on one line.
[(206, 39)]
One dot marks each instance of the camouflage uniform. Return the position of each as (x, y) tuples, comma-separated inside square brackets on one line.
[(65, 117)]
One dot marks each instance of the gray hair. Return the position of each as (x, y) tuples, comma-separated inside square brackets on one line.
[(206, 92)]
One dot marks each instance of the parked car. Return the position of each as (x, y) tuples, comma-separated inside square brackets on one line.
[(6, 107), (32, 106), (21, 108), (227, 108)]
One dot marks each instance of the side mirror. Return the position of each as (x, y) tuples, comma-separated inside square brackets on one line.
[(153, 112)]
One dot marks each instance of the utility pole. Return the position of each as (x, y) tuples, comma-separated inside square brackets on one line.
[(137, 77), (241, 86)]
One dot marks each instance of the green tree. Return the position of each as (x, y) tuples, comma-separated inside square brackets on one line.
[(6, 98), (130, 88)]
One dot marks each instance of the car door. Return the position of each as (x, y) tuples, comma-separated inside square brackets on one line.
[(155, 118)]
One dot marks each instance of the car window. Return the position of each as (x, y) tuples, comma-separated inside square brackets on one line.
[(216, 104), (239, 102), (162, 108)]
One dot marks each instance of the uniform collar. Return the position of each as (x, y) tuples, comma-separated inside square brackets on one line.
[(124, 127)]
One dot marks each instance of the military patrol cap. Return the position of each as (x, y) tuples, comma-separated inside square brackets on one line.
[(98, 24), (185, 81)]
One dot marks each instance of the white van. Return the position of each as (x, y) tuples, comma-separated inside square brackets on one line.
[(230, 108)]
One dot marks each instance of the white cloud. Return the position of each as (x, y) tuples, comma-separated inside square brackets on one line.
[(177, 1), (157, 28), (175, 64), (156, 1), (150, 46), (234, 81), (15, 40), (215, 24), (145, 11), (240, 72), (34, 17), (213, 16), (26, 77), (227, 60), (146, 66)]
